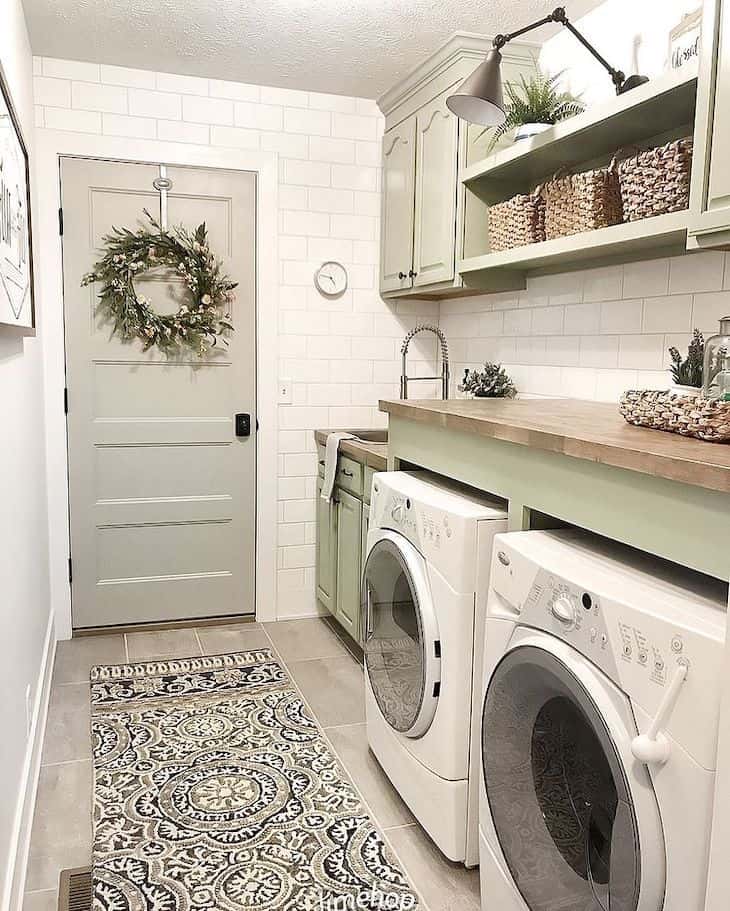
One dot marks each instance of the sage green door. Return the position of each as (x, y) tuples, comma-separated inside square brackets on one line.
[(349, 550), (161, 490), (326, 551)]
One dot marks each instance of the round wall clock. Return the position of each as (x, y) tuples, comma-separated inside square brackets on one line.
[(331, 279)]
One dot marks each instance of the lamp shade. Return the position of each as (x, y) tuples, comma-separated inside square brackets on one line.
[(479, 98)]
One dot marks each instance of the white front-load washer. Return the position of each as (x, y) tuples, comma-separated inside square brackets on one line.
[(601, 696), (424, 592)]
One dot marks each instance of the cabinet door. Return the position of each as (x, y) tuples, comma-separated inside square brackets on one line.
[(349, 553), (710, 198), (396, 241), (326, 550), (437, 141)]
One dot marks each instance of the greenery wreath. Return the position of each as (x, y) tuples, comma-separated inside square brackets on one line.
[(129, 254)]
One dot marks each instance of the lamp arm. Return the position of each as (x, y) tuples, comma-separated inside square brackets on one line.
[(559, 15)]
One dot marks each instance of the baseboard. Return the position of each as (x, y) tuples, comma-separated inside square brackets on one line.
[(23, 823)]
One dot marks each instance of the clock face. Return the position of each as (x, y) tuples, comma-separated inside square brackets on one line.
[(331, 279)]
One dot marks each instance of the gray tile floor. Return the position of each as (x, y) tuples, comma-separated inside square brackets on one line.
[(326, 668)]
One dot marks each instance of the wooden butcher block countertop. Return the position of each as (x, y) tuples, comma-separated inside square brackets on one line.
[(584, 430)]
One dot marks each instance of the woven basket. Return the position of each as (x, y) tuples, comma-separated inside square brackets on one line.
[(688, 416), (656, 181), (582, 202), (517, 222)]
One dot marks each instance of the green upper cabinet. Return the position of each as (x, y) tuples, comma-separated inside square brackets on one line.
[(710, 201), (349, 550), (424, 148), (396, 242)]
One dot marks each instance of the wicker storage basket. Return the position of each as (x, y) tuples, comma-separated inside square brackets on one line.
[(516, 222), (656, 181), (687, 415), (582, 202)]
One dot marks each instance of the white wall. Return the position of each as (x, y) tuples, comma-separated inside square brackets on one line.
[(595, 333), (341, 355), (24, 603), (633, 36)]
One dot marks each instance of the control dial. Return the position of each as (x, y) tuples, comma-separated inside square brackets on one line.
[(397, 513), (563, 610)]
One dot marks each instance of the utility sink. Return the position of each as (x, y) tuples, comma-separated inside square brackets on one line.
[(371, 436)]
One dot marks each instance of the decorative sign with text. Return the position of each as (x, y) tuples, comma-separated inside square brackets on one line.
[(16, 267), (684, 40)]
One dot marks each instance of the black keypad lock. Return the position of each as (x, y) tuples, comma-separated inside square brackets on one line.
[(243, 425)]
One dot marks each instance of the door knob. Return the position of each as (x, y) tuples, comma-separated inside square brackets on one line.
[(412, 274), (402, 275)]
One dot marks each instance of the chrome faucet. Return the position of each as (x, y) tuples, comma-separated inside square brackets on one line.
[(405, 379)]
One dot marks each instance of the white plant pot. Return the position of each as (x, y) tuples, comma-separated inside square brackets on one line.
[(528, 130)]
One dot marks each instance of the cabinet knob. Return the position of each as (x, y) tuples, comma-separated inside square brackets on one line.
[(412, 274), (402, 275)]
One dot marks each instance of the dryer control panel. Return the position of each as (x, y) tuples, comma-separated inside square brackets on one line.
[(559, 607)]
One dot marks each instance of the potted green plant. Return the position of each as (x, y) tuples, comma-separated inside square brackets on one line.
[(687, 371), (490, 383), (534, 105)]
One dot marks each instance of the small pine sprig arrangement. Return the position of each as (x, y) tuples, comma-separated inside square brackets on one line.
[(687, 371), (491, 383), (536, 100)]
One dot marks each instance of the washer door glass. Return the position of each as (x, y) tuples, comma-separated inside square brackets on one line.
[(557, 792), (396, 650)]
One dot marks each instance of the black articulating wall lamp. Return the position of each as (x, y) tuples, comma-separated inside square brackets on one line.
[(479, 97)]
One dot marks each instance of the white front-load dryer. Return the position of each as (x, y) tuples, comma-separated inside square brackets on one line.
[(424, 600), (599, 725)]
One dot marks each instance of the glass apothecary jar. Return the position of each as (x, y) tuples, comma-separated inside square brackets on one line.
[(716, 372)]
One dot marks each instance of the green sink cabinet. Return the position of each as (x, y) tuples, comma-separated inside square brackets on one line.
[(349, 551), (342, 532), (326, 557)]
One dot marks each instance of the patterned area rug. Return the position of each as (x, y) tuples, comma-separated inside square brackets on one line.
[(215, 789)]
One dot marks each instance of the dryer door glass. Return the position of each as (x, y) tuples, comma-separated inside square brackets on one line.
[(557, 792), (394, 639)]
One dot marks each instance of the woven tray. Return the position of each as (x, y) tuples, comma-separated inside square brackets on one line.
[(516, 222), (688, 416)]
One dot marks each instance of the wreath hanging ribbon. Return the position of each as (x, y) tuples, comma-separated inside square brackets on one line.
[(197, 326)]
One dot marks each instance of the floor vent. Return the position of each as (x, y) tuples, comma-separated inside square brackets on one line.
[(74, 890)]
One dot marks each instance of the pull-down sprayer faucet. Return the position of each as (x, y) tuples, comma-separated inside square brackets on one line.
[(405, 379)]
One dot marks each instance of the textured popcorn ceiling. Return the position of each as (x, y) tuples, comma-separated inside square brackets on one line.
[(348, 47)]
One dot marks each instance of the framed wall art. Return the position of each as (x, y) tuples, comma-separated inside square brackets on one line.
[(17, 305)]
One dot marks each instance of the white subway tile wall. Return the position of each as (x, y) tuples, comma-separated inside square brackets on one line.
[(341, 356), (592, 334)]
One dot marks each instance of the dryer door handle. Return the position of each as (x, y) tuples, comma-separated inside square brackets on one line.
[(653, 746)]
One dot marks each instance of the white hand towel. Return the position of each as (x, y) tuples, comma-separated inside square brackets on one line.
[(330, 461)]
